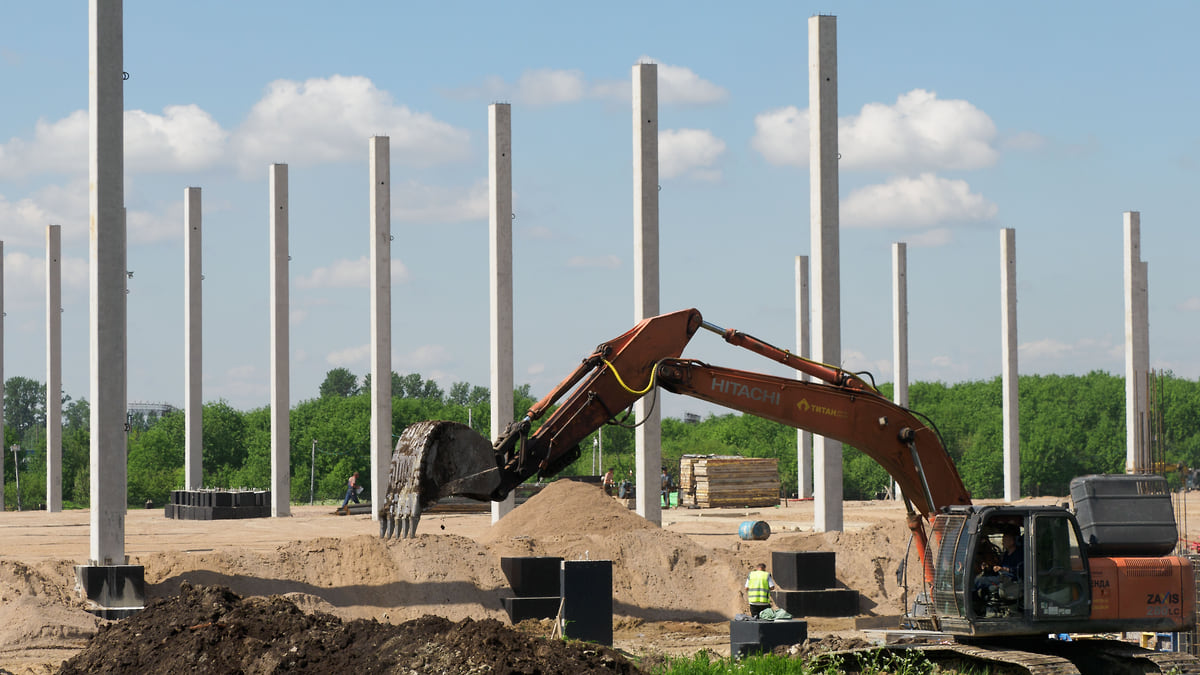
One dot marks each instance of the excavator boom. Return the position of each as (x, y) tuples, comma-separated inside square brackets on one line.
[(429, 462)]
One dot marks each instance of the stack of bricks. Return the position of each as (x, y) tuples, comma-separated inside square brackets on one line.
[(806, 585)]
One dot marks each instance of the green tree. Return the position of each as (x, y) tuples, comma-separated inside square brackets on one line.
[(24, 405), (339, 382)]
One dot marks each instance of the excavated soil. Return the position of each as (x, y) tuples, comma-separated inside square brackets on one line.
[(330, 589), (212, 629)]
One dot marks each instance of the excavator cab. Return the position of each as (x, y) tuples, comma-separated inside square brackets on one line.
[(1010, 571)]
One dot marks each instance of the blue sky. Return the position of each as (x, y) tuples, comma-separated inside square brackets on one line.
[(956, 120)]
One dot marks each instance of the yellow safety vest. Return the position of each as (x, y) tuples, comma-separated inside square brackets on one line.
[(757, 588)]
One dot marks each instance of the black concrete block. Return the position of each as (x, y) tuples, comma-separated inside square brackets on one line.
[(748, 637), (169, 511), (243, 499), (830, 602), (588, 600), (222, 499), (533, 576), (804, 570), (262, 498), (520, 609), (223, 512), (113, 586)]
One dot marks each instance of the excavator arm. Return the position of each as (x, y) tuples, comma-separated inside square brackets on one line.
[(436, 459)]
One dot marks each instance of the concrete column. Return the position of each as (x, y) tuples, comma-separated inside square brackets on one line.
[(380, 156), (804, 439), (899, 333), (107, 308), (53, 368), (648, 435), (500, 277), (1137, 348), (281, 482), (193, 372), (823, 218), (1008, 365), (3, 450)]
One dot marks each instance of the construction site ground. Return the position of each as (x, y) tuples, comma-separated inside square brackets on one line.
[(674, 588)]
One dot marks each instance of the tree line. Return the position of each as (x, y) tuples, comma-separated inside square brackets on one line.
[(1069, 426)]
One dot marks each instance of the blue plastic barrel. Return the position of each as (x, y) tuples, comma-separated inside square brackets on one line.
[(754, 530)]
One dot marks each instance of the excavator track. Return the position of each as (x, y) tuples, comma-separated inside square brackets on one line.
[(1049, 657)]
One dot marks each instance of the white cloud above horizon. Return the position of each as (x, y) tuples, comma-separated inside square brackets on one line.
[(921, 203), (334, 116), (919, 132), (689, 152)]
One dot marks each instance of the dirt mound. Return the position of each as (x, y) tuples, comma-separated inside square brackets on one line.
[(358, 577), (567, 506), (212, 629)]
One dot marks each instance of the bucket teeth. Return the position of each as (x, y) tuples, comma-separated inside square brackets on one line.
[(432, 460)]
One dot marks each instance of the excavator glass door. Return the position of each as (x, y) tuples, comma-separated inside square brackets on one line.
[(1061, 587)]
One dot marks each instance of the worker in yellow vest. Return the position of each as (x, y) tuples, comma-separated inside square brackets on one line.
[(758, 589)]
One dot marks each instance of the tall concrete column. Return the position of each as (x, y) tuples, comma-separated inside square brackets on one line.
[(193, 371), (53, 368), (804, 439), (2, 449), (500, 277), (648, 435), (281, 482), (1008, 365), (107, 313), (826, 282), (1137, 349), (380, 156), (899, 332)]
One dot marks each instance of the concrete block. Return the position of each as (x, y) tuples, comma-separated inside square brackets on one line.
[(112, 587), (222, 499), (587, 600), (830, 602), (804, 570), (520, 609), (748, 637), (533, 576)]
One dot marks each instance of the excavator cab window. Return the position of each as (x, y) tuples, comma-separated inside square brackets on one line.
[(1062, 590), (998, 569)]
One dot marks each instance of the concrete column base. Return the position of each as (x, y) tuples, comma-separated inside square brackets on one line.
[(112, 591)]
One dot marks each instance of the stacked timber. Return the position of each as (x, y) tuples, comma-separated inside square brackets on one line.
[(714, 481)]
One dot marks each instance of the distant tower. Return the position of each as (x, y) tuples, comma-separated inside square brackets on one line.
[(1137, 349)]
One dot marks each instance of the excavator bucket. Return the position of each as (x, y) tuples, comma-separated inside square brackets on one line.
[(432, 460)]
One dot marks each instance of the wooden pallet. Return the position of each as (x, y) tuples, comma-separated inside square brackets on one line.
[(714, 481)]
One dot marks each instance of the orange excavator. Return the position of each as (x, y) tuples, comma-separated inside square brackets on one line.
[(988, 570)]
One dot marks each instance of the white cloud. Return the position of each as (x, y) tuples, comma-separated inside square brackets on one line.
[(681, 151), (536, 369), (331, 119), (348, 274), (599, 261), (183, 138), (59, 146), (349, 356), (1050, 353), (25, 278), (921, 202), (918, 132), (677, 84), (421, 358), (417, 202), (239, 383), (24, 221)]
